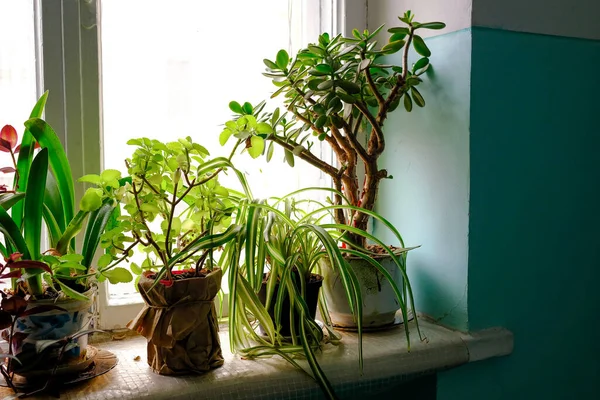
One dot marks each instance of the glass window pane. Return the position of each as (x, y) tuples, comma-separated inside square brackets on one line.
[(170, 71), (17, 73)]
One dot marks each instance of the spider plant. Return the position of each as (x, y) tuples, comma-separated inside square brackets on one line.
[(283, 241)]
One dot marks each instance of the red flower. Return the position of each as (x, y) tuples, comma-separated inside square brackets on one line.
[(13, 257), (8, 138)]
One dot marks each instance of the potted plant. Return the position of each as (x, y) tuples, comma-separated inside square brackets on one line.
[(177, 215), (274, 281), (54, 289), (339, 91)]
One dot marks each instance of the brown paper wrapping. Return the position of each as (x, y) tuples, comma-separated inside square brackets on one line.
[(180, 323)]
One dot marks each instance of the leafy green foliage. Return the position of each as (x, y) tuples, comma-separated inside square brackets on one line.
[(284, 241), (175, 211), (338, 90), (44, 191)]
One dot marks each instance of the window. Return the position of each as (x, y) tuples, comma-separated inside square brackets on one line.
[(167, 69), (18, 73)]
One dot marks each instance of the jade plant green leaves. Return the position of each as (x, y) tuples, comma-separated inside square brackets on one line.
[(339, 90), (176, 213)]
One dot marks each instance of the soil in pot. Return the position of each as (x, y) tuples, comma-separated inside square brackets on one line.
[(180, 322), (312, 299)]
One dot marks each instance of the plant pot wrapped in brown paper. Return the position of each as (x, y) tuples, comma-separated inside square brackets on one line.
[(180, 323)]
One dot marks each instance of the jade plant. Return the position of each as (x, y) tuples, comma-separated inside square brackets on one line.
[(43, 191), (175, 210), (341, 91)]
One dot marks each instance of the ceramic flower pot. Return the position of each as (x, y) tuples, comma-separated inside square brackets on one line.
[(379, 300), (312, 299)]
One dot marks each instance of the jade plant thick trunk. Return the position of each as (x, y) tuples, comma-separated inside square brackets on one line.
[(339, 91)]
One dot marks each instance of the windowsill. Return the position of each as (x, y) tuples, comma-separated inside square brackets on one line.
[(386, 363)]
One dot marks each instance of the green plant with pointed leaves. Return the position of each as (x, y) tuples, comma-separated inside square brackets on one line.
[(339, 91), (175, 210), (44, 192), (280, 245)]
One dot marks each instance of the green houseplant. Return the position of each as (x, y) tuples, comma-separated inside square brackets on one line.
[(340, 91), (273, 282), (176, 215), (56, 287)]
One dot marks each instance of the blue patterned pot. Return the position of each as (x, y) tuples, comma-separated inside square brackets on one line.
[(31, 331)]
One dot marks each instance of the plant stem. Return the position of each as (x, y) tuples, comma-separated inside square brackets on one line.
[(148, 235), (170, 218)]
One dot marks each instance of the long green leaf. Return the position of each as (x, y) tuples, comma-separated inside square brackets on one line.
[(349, 279), (8, 200), (395, 288), (96, 225), (201, 243), (72, 293), (234, 338), (34, 202), (207, 242), (12, 233), (370, 213), (267, 351), (54, 231), (318, 373), (26, 156), (253, 304), (222, 162), (311, 189), (33, 215), (53, 202), (74, 227), (59, 164), (252, 221)]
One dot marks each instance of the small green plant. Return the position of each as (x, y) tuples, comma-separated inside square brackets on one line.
[(44, 192), (175, 209), (340, 91)]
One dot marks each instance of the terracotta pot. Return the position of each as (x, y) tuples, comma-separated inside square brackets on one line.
[(379, 300), (311, 298), (180, 323)]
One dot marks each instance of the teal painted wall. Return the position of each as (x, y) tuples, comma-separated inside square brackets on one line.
[(428, 154), (534, 251)]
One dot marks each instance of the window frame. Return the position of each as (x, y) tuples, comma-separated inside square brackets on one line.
[(70, 70)]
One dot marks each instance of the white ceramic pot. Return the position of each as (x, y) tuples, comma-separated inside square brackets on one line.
[(379, 300)]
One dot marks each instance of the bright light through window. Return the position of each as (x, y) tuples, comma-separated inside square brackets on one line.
[(17, 69), (17, 73), (170, 71)]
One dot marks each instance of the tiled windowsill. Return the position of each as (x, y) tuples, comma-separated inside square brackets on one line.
[(386, 364)]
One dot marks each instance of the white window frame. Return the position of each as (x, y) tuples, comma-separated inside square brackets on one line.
[(68, 34)]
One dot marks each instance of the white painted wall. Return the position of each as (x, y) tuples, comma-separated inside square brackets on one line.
[(574, 18)]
